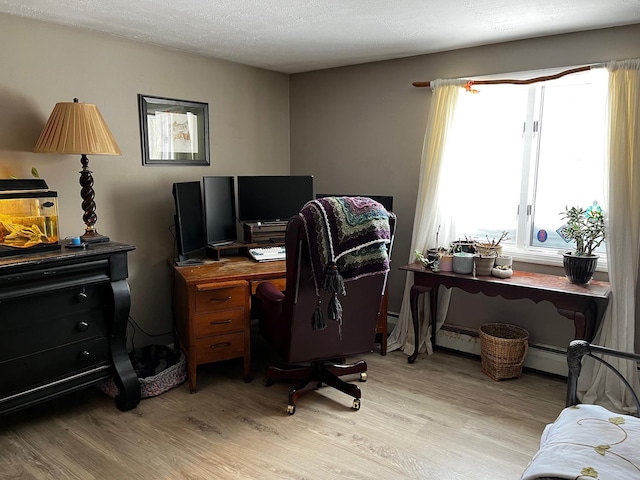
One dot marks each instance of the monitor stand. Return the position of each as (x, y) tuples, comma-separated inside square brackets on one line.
[(222, 243), (216, 251), (189, 262)]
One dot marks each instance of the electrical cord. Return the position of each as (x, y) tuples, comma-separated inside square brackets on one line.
[(135, 327)]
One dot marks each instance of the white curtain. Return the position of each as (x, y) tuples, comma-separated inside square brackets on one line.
[(431, 216), (597, 383)]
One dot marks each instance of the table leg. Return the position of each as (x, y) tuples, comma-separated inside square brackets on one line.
[(584, 321), (414, 295), (125, 376), (247, 367), (192, 369), (433, 307)]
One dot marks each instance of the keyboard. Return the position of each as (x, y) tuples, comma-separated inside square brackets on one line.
[(267, 254)]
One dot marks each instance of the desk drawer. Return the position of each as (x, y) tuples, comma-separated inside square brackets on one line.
[(220, 298), (220, 347), (219, 322)]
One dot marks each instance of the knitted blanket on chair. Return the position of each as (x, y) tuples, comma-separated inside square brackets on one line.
[(347, 238)]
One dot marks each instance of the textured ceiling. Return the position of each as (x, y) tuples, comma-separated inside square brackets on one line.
[(294, 36)]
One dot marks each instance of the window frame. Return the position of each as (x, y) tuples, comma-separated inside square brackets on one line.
[(523, 249)]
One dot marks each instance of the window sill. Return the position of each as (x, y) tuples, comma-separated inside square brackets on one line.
[(545, 257)]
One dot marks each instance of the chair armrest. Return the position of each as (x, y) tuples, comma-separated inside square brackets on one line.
[(269, 293), (271, 321)]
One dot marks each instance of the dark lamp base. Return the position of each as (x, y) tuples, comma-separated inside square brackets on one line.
[(94, 237)]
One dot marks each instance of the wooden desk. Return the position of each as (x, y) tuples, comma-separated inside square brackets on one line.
[(584, 304), (212, 307)]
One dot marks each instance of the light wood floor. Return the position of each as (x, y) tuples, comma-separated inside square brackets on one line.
[(440, 418)]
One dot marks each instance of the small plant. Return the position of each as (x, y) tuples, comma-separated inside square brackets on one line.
[(433, 263), (421, 258), (585, 227), (491, 246)]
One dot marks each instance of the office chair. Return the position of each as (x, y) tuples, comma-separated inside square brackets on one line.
[(314, 355)]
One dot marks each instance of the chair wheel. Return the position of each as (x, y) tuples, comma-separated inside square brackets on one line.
[(356, 404), (363, 377), (291, 409), (267, 381)]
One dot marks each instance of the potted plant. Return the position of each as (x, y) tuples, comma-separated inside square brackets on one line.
[(492, 247), (586, 228), (446, 258), (486, 254)]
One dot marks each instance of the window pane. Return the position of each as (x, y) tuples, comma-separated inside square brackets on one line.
[(571, 155), (483, 162)]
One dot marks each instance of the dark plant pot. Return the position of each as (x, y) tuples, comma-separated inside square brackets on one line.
[(432, 254), (463, 246), (579, 269)]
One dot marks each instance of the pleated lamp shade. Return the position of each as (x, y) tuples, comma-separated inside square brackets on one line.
[(79, 128)]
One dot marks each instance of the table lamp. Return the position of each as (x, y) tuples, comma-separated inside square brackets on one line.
[(78, 128)]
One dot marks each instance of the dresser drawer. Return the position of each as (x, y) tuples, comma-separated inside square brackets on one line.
[(37, 334), (221, 298), (220, 347), (219, 322), (56, 303), (47, 366), (42, 322)]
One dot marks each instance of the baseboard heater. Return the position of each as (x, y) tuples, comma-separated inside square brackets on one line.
[(543, 358)]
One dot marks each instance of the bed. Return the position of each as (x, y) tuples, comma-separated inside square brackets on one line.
[(589, 441)]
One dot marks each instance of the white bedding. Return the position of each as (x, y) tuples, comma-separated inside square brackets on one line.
[(588, 441)]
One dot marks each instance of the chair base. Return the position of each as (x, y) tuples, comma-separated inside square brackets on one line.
[(312, 377)]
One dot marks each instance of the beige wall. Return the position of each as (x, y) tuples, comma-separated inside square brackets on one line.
[(42, 64), (357, 129), (360, 129)]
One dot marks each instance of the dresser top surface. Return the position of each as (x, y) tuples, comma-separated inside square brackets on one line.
[(65, 254)]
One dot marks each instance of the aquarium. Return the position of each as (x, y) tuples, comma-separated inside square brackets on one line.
[(28, 217)]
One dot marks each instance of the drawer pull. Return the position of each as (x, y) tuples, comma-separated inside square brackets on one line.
[(84, 355), (221, 322), (224, 299), (82, 326), (221, 345), (81, 297)]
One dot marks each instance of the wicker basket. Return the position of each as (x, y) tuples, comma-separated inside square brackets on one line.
[(503, 348), (153, 385)]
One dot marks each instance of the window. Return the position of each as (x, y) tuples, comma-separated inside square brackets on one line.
[(519, 154)]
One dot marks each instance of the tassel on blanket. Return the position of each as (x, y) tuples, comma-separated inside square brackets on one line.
[(334, 312), (318, 322), (334, 309), (332, 281)]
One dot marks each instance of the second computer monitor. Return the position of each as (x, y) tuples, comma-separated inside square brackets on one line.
[(271, 197), (219, 210), (190, 233)]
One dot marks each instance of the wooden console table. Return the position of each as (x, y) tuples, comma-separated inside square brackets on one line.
[(212, 306), (584, 304), (63, 321)]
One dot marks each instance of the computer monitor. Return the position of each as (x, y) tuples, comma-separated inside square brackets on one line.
[(272, 198), (189, 223), (385, 200), (219, 210)]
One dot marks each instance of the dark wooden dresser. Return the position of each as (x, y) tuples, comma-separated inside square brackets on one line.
[(63, 320)]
